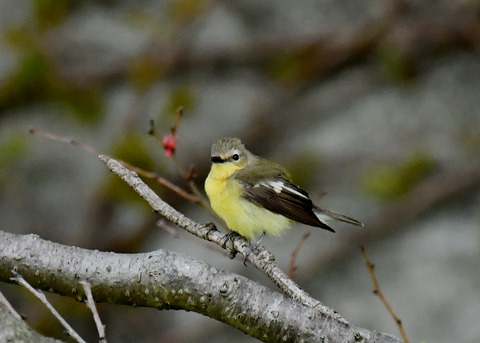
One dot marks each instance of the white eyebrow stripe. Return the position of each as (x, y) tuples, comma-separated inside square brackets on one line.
[(279, 186)]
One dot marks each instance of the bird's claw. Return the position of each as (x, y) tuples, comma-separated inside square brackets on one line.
[(232, 252), (229, 237), (252, 248), (210, 227)]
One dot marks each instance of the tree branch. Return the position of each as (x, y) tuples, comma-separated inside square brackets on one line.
[(168, 280), (377, 291), (96, 317)]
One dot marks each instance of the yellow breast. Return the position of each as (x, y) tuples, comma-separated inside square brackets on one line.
[(241, 215)]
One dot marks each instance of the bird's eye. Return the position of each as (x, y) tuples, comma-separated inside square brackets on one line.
[(235, 157)]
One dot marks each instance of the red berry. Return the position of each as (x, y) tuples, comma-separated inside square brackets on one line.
[(169, 144)]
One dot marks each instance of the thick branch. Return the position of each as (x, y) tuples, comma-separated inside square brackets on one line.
[(167, 280)]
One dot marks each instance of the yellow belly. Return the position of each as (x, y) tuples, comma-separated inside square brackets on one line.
[(242, 216)]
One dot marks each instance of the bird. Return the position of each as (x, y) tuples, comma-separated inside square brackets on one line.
[(255, 196)]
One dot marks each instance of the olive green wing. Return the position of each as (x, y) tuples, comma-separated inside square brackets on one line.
[(269, 186)]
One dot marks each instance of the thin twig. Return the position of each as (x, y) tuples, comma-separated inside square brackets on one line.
[(292, 267), (4, 301), (164, 182), (178, 116), (71, 332), (96, 317), (293, 258), (378, 292), (154, 176), (164, 225), (64, 139)]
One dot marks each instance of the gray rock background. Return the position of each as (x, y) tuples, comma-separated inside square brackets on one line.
[(376, 103)]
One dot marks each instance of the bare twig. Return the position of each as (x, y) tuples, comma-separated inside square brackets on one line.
[(96, 317), (164, 225), (64, 139), (178, 116), (4, 301), (292, 267), (378, 291), (164, 182), (295, 252), (71, 332), (154, 176), (153, 132)]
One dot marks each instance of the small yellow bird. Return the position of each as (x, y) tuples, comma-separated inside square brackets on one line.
[(256, 196)]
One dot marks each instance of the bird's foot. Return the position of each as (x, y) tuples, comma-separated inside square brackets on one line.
[(232, 252), (229, 236), (252, 248), (210, 227)]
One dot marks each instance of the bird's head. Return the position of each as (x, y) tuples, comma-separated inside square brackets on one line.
[(228, 156)]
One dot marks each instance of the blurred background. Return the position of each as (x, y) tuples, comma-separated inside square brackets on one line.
[(376, 104)]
